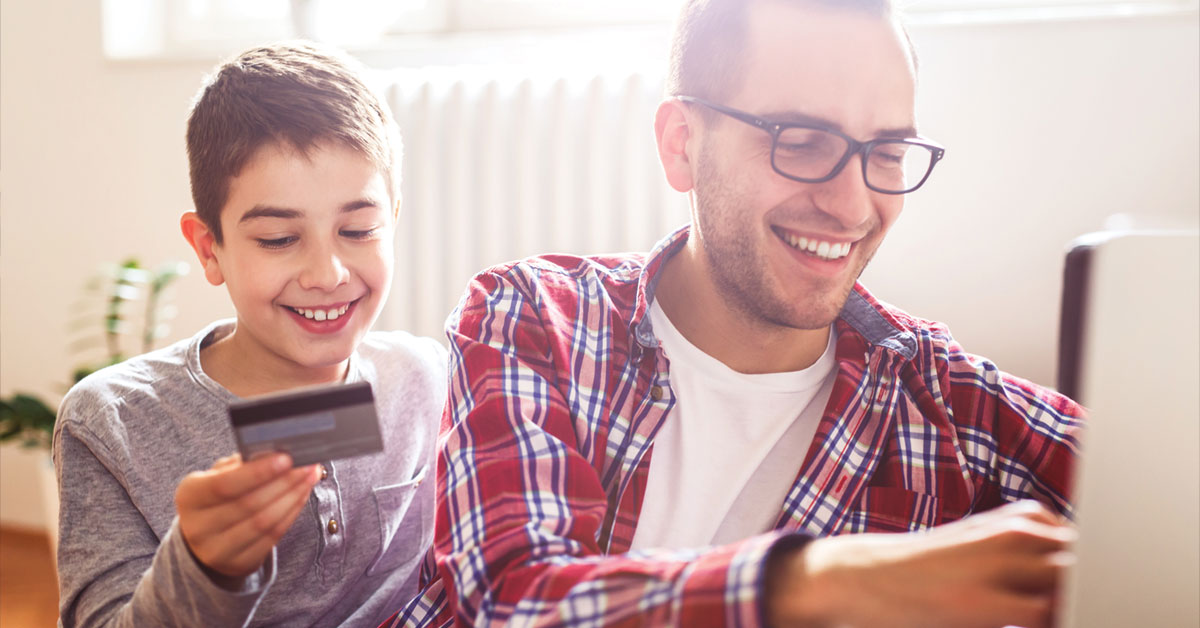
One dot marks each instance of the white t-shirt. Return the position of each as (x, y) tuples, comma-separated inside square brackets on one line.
[(730, 448)]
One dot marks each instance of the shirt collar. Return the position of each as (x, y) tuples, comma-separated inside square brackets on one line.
[(875, 322)]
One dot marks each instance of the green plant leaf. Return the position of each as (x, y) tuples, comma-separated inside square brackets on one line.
[(82, 372), (126, 292), (9, 429), (134, 276), (26, 416)]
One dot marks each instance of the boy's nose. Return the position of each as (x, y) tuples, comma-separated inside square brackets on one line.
[(324, 270)]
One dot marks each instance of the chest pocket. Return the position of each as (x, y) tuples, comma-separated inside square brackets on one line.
[(888, 509), (403, 523)]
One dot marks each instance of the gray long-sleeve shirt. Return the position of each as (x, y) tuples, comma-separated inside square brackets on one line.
[(128, 434)]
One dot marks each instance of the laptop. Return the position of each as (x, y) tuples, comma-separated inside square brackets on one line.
[(1130, 352)]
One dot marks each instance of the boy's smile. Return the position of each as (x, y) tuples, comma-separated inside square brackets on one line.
[(322, 319), (307, 259)]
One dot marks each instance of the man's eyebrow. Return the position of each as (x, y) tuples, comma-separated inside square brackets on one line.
[(795, 117), (268, 211), (362, 203), (897, 133)]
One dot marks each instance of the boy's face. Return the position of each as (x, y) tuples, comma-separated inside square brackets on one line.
[(307, 256)]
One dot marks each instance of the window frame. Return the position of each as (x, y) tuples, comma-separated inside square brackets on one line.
[(170, 28)]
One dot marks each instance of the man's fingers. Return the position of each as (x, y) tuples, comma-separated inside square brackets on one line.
[(1034, 575), (1015, 609), (1026, 508), (1024, 535)]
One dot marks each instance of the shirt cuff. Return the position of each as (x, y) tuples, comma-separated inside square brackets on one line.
[(181, 558), (786, 544)]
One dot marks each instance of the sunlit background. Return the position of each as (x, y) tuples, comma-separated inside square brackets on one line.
[(528, 129)]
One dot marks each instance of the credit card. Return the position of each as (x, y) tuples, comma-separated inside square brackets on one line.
[(310, 425)]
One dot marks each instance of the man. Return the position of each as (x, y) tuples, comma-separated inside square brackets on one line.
[(688, 438)]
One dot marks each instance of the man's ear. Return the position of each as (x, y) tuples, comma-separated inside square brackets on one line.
[(673, 130), (203, 241)]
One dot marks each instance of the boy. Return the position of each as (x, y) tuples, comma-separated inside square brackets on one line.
[(294, 168)]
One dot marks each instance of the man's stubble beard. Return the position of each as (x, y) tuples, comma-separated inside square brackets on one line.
[(739, 266)]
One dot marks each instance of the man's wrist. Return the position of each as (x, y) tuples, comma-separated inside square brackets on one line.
[(796, 596)]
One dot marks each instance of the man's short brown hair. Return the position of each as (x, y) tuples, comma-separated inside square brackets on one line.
[(291, 94), (709, 42)]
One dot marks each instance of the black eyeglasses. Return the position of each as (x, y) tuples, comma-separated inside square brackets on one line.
[(812, 154)]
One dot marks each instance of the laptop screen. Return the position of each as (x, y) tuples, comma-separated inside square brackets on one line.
[(1130, 352)]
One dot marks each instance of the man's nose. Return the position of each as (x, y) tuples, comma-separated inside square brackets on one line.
[(324, 269), (846, 197)]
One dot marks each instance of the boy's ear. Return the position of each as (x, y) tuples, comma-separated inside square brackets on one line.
[(203, 241), (673, 130)]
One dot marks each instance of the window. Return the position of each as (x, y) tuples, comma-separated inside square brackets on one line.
[(141, 28)]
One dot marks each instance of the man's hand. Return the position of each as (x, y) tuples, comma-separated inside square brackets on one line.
[(233, 514), (996, 568)]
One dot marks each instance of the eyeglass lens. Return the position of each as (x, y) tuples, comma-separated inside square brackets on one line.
[(894, 166)]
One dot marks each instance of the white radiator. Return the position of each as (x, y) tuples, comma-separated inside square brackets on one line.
[(500, 165)]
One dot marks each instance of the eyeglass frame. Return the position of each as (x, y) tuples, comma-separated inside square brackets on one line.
[(853, 146)]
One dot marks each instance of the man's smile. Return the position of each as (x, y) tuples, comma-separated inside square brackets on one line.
[(825, 249)]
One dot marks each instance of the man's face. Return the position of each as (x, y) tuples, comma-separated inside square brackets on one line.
[(307, 254), (836, 68)]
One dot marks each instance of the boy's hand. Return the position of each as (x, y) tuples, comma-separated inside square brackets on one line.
[(233, 514), (995, 568)]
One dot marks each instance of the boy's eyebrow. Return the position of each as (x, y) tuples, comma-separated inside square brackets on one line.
[(268, 211)]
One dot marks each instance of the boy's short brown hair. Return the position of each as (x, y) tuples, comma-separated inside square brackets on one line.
[(295, 94)]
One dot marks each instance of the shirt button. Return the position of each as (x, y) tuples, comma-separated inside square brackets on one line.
[(324, 472), (656, 393), (333, 526)]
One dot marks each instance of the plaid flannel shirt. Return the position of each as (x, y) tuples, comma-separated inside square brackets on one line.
[(558, 388)]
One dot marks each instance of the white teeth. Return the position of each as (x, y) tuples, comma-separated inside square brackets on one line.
[(322, 315), (826, 250)]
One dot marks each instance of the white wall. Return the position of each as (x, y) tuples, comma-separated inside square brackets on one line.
[(1050, 128)]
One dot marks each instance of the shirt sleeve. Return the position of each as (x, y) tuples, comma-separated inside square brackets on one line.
[(520, 507), (114, 571), (1021, 441)]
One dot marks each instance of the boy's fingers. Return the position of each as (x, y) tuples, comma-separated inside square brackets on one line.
[(232, 482), (270, 523), (230, 536), (227, 461), (252, 556), (230, 514)]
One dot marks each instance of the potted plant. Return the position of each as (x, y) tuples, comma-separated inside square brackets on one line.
[(109, 319)]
